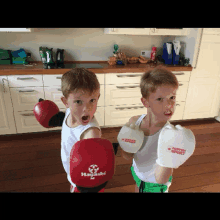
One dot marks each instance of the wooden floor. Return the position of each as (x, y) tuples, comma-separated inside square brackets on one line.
[(32, 162)]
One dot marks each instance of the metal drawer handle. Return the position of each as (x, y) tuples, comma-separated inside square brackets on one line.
[(26, 78), (121, 87), (178, 73), (28, 114), (180, 84), (177, 104), (26, 90), (3, 84), (129, 75), (59, 77), (129, 107), (59, 89)]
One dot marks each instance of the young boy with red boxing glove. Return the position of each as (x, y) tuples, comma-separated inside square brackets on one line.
[(81, 92), (156, 146), (80, 132)]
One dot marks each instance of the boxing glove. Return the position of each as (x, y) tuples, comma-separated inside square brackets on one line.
[(175, 146), (130, 138), (47, 114), (91, 164)]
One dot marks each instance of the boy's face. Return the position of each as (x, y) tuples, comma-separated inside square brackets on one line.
[(161, 102), (82, 105)]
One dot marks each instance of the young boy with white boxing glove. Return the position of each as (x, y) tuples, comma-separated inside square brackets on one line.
[(156, 146)]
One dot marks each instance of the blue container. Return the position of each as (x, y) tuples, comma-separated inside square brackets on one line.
[(168, 58), (176, 58)]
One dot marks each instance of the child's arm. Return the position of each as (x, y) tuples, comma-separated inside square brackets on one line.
[(162, 174), (92, 132), (127, 155)]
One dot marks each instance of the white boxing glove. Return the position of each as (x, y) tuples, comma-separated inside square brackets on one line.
[(175, 146), (130, 138)]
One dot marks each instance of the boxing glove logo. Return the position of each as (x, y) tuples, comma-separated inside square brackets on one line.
[(93, 169), (176, 150), (128, 140)]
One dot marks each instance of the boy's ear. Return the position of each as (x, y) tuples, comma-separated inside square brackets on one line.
[(145, 102), (64, 100)]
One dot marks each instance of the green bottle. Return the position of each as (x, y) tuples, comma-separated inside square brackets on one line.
[(50, 62), (115, 49), (43, 56)]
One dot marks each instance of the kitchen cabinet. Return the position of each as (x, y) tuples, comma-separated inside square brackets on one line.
[(203, 96), (211, 30), (123, 97), (120, 98), (147, 31), (202, 99), (15, 29), (183, 78), (25, 93), (169, 31), (7, 123), (128, 31)]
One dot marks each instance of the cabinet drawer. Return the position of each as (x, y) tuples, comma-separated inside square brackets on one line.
[(26, 122), (55, 80), (122, 94), (178, 114), (119, 115), (182, 91), (52, 80), (101, 78), (25, 80), (100, 116), (182, 75), (54, 94), (25, 98), (120, 78)]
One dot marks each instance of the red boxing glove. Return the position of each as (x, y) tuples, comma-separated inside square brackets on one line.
[(92, 164), (47, 114)]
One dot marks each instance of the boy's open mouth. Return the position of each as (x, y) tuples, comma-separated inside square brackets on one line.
[(85, 118)]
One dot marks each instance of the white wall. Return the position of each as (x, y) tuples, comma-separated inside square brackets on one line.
[(80, 44)]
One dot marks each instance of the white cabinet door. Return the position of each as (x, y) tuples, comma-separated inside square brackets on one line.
[(147, 31), (119, 115), (129, 31), (7, 123), (124, 94), (168, 31), (26, 122), (211, 30), (25, 98), (203, 98), (15, 29)]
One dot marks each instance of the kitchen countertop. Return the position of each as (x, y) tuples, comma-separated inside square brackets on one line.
[(96, 67)]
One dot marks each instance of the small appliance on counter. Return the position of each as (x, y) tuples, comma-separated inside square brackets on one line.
[(5, 57), (171, 52), (46, 55), (19, 57), (60, 58)]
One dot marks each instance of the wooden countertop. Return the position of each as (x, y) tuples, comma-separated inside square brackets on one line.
[(96, 67)]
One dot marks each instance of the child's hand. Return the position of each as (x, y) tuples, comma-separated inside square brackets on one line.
[(130, 138), (175, 146)]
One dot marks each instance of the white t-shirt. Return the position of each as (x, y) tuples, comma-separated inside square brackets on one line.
[(69, 136), (144, 161)]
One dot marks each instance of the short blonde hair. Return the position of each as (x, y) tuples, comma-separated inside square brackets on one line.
[(79, 79), (155, 78)]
